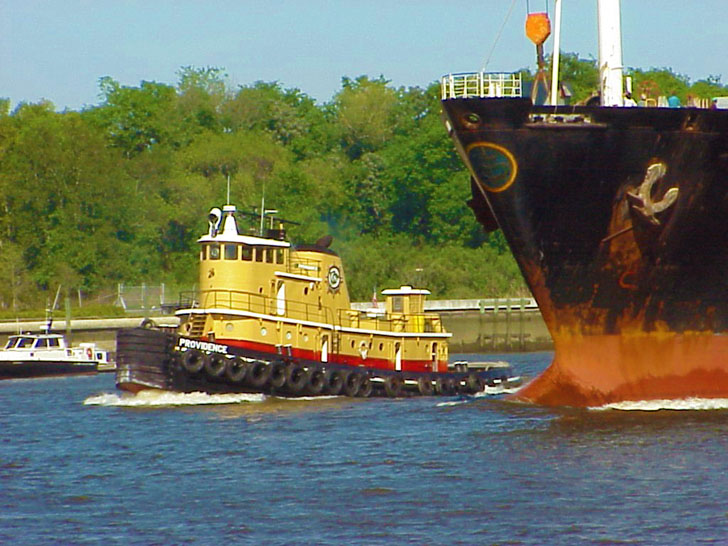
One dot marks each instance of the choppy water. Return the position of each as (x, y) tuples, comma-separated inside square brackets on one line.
[(80, 464)]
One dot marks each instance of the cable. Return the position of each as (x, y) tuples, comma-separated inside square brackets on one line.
[(490, 54)]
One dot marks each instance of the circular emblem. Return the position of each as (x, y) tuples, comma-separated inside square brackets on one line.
[(334, 277), (494, 167)]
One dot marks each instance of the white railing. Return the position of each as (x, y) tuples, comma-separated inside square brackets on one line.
[(480, 84)]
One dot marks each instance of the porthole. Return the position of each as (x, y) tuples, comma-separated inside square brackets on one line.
[(263, 331), (288, 335), (471, 120)]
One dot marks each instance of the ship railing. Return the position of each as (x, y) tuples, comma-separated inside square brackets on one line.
[(414, 323), (302, 266), (238, 300), (481, 84)]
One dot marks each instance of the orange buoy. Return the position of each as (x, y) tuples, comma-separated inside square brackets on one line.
[(538, 27)]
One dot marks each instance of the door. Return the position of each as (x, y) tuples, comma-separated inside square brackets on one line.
[(398, 356), (281, 299), (325, 349)]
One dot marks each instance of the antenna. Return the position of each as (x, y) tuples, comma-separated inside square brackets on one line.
[(228, 189)]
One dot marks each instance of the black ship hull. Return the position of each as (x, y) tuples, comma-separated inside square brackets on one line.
[(618, 218), (29, 369), (153, 359)]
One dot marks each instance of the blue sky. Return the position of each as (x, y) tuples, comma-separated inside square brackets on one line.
[(58, 49)]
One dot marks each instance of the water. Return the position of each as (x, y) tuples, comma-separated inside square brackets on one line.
[(80, 464)]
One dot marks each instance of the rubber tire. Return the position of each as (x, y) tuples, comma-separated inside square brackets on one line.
[(352, 383), (366, 387), (334, 382), (278, 375), (475, 383), (193, 361), (316, 382), (236, 369), (259, 374), (394, 386), (296, 378), (424, 385), (445, 386), (215, 365)]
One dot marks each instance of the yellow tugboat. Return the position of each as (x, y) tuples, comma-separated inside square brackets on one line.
[(275, 318)]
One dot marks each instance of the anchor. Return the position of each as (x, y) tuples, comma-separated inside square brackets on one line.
[(642, 200)]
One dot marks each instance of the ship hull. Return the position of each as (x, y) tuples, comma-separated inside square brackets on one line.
[(153, 359), (29, 369), (618, 218)]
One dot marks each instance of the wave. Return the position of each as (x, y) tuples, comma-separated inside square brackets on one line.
[(682, 404), (152, 398), (487, 393)]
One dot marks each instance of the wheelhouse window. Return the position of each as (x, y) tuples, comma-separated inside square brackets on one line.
[(259, 254), (203, 252), (215, 252), (279, 255), (54, 342), (397, 304), (231, 252), (269, 255), (246, 253)]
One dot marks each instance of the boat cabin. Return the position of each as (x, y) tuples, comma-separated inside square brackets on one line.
[(263, 295)]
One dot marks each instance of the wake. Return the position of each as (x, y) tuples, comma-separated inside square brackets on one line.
[(152, 398)]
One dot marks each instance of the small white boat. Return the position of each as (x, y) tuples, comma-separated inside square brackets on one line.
[(45, 354)]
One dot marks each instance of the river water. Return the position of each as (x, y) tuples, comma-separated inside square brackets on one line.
[(81, 464)]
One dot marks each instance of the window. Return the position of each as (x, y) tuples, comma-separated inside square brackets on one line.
[(397, 304), (259, 254), (246, 253), (203, 252), (269, 255), (215, 252), (279, 256), (54, 342), (231, 252)]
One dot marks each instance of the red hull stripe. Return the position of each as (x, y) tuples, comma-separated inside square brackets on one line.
[(349, 360)]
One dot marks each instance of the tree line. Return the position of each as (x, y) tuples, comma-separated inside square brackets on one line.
[(119, 192)]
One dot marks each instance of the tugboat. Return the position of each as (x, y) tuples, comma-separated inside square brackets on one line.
[(274, 318), (47, 354)]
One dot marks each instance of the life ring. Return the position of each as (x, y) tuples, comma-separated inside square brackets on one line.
[(366, 387), (215, 365), (352, 383), (393, 386), (259, 374), (277, 375), (334, 382), (424, 385), (296, 378), (193, 361), (236, 369), (475, 383), (316, 382)]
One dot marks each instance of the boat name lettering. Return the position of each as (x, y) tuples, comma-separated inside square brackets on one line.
[(202, 345)]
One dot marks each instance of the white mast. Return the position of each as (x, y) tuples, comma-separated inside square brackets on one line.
[(557, 45), (610, 52)]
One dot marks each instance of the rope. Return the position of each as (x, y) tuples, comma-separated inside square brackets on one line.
[(490, 54)]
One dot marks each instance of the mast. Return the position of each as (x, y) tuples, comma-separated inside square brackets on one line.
[(610, 52), (555, 57)]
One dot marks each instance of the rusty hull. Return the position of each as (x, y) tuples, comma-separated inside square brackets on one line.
[(618, 218)]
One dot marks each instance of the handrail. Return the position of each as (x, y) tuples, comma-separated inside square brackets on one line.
[(481, 84)]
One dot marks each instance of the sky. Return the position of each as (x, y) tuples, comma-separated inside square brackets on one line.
[(58, 49)]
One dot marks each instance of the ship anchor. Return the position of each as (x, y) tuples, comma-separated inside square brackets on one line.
[(642, 199)]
